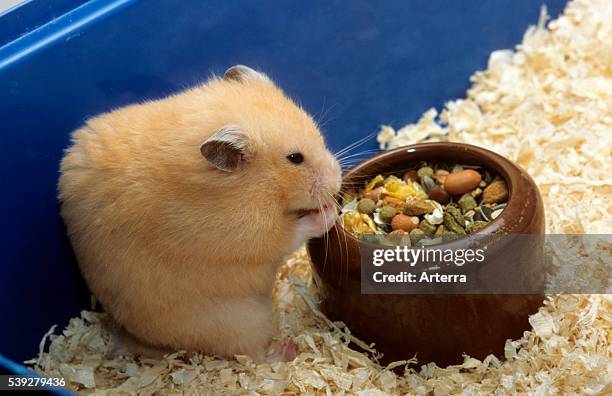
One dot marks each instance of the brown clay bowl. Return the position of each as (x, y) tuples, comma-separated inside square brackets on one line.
[(435, 327)]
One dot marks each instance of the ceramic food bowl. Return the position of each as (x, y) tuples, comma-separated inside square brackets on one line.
[(434, 327)]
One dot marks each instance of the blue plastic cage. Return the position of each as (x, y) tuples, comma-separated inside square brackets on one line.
[(358, 63)]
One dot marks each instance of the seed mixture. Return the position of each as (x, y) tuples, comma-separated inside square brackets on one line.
[(546, 106), (427, 205)]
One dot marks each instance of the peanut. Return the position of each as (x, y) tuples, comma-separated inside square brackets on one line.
[(462, 182)]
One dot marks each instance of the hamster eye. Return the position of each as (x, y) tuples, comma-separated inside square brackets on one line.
[(296, 158)]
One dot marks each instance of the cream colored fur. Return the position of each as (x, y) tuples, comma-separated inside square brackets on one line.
[(184, 255)]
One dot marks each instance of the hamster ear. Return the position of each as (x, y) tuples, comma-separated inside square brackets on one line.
[(243, 73), (226, 148)]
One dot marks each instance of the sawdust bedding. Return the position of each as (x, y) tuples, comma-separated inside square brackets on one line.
[(548, 106)]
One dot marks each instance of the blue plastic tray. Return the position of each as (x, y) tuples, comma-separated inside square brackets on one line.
[(359, 62)]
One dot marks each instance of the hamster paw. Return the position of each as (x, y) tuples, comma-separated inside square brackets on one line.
[(285, 352)]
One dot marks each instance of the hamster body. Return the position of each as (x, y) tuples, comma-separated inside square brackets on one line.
[(181, 210)]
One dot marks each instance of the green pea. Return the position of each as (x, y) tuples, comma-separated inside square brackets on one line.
[(425, 171), (416, 235), (387, 213), (467, 202), (366, 206), (427, 227), (475, 226)]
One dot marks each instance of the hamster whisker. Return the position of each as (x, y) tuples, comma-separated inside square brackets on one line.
[(364, 152), (325, 236), (346, 252), (317, 117), (348, 164), (351, 160), (334, 200), (320, 118), (338, 233), (340, 237), (356, 158), (324, 123), (355, 144)]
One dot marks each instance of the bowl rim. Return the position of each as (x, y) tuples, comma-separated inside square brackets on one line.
[(494, 227)]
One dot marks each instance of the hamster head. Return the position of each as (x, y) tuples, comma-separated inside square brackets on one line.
[(271, 154)]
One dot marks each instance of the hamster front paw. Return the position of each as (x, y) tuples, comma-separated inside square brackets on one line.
[(314, 225)]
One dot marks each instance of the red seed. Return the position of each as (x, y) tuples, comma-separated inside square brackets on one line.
[(411, 175), (439, 195)]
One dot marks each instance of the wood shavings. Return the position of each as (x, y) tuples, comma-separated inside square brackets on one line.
[(547, 106)]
